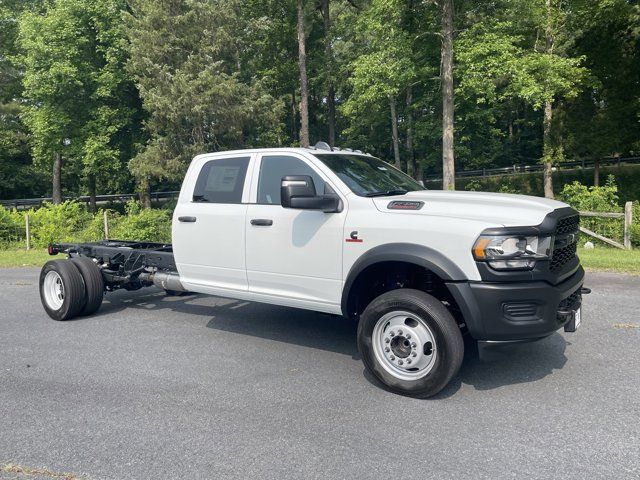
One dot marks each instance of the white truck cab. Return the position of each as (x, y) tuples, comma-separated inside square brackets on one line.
[(344, 233)]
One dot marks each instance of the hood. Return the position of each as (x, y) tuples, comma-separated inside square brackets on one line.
[(495, 208)]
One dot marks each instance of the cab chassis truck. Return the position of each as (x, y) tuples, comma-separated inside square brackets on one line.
[(341, 232)]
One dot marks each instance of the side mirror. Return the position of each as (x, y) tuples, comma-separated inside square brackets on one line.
[(299, 191)]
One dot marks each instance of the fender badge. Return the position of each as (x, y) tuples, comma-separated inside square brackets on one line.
[(353, 238), (404, 205)]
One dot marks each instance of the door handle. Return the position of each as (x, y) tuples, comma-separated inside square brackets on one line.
[(187, 219), (262, 222)]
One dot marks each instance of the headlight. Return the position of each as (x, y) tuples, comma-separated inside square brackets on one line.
[(511, 252)]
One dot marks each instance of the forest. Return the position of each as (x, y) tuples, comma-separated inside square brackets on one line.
[(116, 96)]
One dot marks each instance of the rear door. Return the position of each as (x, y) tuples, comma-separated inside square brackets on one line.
[(209, 223)]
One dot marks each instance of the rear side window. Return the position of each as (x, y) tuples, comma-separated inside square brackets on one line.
[(273, 168), (221, 181)]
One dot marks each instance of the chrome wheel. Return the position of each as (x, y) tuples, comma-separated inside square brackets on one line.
[(404, 345), (53, 290)]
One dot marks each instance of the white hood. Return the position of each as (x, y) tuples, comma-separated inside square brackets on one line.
[(495, 208)]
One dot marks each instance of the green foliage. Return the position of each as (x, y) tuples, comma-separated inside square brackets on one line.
[(57, 223), (187, 58), (596, 199), (592, 199), (142, 224), (72, 222), (12, 227), (140, 86)]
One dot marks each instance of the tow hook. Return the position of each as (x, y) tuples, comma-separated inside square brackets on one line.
[(585, 291)]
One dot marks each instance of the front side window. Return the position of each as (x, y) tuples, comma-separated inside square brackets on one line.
[(368, 176), (273, 168), (221, 181)]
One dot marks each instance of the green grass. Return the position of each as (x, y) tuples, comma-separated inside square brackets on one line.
[(597, 259), (24, 258), (610, 260)]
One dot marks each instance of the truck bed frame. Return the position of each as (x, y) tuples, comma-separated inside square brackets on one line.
[(123, 263)]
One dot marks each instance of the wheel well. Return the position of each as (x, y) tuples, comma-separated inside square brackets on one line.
[(382, 277)]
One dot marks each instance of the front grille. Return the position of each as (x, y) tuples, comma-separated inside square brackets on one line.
[(561, 256), (568, 225)]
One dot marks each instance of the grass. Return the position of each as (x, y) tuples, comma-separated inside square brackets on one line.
[(597, 259), (610, 260), (24, 258)]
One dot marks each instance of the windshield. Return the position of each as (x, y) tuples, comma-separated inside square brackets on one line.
[(369, 176)]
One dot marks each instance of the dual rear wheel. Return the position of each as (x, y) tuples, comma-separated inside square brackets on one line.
[(72, 287)]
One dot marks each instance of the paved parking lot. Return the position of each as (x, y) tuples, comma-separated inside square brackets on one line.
[(201, 387)]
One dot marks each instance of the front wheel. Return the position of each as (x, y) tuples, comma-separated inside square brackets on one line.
[(410, 342)]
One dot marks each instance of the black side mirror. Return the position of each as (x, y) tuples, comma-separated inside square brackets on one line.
[(299, 191)]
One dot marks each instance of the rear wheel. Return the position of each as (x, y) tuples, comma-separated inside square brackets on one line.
[(62, 289), (410, 342), (93, 284)]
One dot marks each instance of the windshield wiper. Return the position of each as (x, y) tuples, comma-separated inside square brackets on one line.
[(397, 191)]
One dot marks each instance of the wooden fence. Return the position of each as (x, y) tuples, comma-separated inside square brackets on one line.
[(627, 215)]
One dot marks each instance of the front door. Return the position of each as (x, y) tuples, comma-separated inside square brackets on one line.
[(209, 225), (292, 253)]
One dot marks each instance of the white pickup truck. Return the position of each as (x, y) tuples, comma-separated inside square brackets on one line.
[(341, 232)]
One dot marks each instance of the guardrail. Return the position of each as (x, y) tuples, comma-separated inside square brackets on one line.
[(515, 169), (26, 203), (627, 215)]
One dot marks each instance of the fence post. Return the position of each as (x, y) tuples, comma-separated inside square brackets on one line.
[(628, 219), (27, 232), (106, 224)]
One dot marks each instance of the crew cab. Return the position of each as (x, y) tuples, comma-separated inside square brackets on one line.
[(342, 232)]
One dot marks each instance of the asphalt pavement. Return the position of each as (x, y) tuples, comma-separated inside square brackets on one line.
[(158, 387)]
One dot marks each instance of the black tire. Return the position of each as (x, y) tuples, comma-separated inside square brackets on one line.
[(73, 290), (446, 334), (93, 284)]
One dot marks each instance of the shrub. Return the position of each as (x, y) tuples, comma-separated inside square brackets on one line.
[(58, 223), (143, 225), (635, 226), (12, 228), (596, 199)]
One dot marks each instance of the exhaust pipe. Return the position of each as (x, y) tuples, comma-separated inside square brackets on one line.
[(164, 281)]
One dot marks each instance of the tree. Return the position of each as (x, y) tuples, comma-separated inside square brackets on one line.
[(190, 63), (81, 105), (502, 61), (328, 60), (448, 163), (381, 74), (18, 178), (304, 83)]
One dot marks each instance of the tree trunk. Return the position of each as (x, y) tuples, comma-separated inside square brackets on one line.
[(294, 117), (548, 150), (91, 184), (304, 89), (548, 115), (596, 173), (145, 192), (394, 133), (411, 160), (328, 54), (57, 179), (448, 164)]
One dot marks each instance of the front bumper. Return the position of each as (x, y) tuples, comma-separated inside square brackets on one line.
[(516, 311)]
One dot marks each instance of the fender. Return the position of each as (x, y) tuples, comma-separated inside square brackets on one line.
[(420, 255)]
